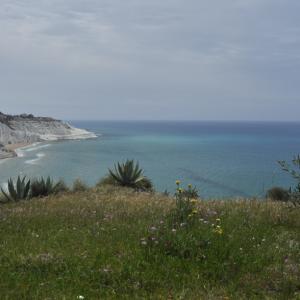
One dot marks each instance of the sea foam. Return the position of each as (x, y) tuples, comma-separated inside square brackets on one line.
[(34, 161)]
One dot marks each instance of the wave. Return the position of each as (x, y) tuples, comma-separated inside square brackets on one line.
[(35, 147), (34, 161)]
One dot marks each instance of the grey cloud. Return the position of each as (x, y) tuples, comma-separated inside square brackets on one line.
[(151, 59)]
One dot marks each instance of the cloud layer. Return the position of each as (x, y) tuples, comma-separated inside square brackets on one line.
[(141, 59)]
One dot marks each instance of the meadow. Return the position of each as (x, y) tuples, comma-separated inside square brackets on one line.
[(113, 242)]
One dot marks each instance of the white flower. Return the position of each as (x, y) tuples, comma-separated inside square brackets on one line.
[(80, 297)]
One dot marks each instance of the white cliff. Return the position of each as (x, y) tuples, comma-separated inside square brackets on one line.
[(26, 129)]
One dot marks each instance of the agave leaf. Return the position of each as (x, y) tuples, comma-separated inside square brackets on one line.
[(11, 189), (114, 175), (8, 198), (130, 174), (27, 189)]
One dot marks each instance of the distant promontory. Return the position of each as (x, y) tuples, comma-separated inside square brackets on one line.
[(21, 130)]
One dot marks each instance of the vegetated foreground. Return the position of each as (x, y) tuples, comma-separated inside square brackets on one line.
[(115, 243)]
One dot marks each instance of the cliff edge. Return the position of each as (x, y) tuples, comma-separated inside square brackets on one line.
[(27, 129)]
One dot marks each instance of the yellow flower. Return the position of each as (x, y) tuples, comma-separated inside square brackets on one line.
[(189, 186), (193, 201), (180, 190), (195, 211), (177, 182), (219, 230)]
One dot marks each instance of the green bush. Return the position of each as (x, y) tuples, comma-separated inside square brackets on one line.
[(79, 186), (17, 191), (43, 188), (294, 171), (128, 174), (278, 194), (61, 187)]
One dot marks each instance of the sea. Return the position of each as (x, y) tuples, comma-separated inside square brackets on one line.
[(222, 159)]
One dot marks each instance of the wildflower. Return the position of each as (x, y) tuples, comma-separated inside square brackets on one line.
[(80, 297), (173, 230), (161, 222), (177, 182), (180, 190), (218, 220), (153, 228), (195, 211), (189, 186), (182, 224), (193, 201), (144, 243), (190, 215), (218, 230)]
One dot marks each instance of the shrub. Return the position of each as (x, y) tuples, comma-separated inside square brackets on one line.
[(61, 187), (294, 171), (128, 174), (191, 192), (79, 186), (185, 202), (107, 180), (18, 191), (278, 194), (42, 188)]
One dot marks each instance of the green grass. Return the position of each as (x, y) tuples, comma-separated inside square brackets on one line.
[(114, 243)]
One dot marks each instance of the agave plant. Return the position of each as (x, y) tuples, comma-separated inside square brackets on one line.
[(42, 188), (18, 191), (131, 175)]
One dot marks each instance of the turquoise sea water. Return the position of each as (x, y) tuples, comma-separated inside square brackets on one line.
[(221, 158)]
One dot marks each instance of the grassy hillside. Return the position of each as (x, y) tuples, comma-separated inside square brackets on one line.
[(115, 243)]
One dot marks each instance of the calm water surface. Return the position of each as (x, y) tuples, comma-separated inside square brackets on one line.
[(221, 158)]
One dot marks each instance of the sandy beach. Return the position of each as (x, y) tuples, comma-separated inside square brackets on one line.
[(8, 151), (13, 147)]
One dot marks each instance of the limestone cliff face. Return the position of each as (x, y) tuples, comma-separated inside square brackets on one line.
[(30, 129)]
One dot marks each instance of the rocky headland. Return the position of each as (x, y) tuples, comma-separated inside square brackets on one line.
[(21, 130)]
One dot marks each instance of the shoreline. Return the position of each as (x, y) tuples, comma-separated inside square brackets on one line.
[(11, 150)]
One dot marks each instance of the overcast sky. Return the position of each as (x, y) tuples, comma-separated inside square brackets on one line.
[(151, 59)]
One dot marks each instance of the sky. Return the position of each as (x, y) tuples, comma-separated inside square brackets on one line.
[(151, 59)]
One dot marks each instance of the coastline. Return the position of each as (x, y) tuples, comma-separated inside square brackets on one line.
[(11, 150)]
